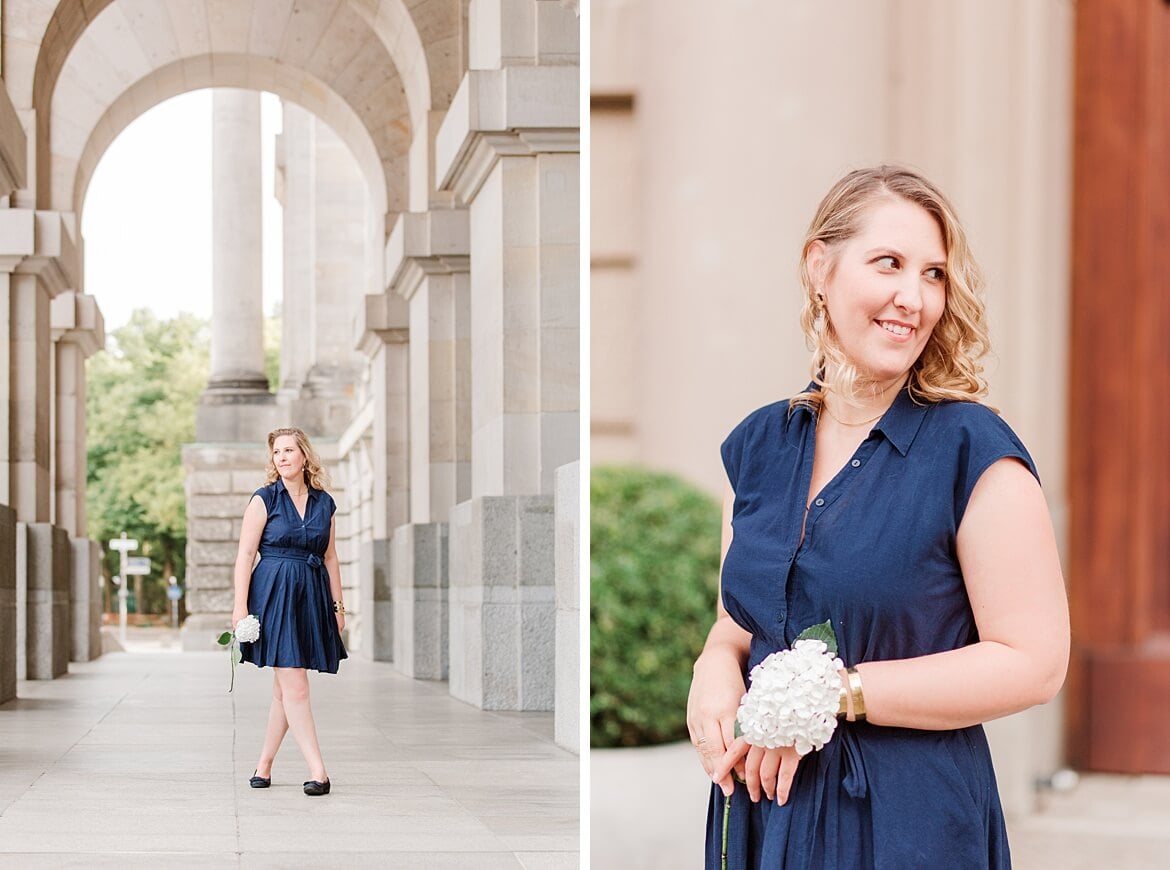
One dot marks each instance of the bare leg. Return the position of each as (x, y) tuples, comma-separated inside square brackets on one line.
[(294, 687), (277, 727)]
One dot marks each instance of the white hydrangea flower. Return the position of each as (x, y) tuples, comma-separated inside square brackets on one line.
[(248, 629), (793, 699)]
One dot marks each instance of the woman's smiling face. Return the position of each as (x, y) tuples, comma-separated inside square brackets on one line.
[(884, 288)]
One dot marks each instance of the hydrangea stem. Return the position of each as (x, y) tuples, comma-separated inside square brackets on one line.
[(726, 817)]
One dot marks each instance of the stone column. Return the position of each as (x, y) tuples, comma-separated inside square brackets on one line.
[(236, 410), (508, 152), (29, 390), (384, 341), (427, 260), (78, 332), (338, 245), (298, 189), (7, 603), (237, 315)]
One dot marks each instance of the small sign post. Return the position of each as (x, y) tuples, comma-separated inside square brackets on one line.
[(174, 593), (123, 545)]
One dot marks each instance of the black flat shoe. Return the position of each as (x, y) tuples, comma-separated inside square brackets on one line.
[(259, 781), (315, 789)]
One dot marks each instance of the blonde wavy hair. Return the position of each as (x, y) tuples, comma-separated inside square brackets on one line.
[(949, 366), (315, 475)]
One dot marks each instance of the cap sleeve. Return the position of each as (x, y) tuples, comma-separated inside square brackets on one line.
[(988, 440), (268, 494), (732, 452)]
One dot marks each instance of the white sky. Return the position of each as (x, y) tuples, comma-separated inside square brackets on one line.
[(147, 214)]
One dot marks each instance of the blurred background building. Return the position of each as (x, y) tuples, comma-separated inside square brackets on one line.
[(428, 170), (716, 129)]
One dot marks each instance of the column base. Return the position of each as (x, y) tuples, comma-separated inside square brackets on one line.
[(7, 603), (49, 560), (376, 605), (200, 630), (85, 604), (501, 600), (418, 558)]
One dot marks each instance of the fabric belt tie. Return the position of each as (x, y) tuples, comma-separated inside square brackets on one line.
[(313, 560)]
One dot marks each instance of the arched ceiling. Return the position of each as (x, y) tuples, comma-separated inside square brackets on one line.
[(240, 72), (385, 63)]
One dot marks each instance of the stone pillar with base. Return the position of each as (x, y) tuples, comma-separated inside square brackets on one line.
[(78, 332), (384, 341), (7, 603), (49, 558), (508, 151), (427, 259), (236, 411)]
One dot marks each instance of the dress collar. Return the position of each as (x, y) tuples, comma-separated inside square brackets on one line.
[(899, 425), (280, 487)]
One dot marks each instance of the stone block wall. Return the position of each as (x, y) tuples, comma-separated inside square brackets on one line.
[(502, 618), (220, 482), (567, 556), (7, 603), (418, 571), (50, 556)]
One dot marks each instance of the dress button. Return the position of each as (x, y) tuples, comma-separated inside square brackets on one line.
[(819, 502), (855, 463)]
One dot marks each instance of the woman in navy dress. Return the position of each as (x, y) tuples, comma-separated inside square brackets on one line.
[(295, 592), (887, 499)]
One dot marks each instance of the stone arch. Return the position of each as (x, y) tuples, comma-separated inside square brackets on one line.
[(369, 52), (257, 74)]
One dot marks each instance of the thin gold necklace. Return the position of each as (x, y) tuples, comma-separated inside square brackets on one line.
[(828, 410)]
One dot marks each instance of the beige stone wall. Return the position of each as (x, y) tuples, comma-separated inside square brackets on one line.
[(714, 137)]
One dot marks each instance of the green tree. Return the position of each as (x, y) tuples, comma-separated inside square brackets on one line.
[(140, 406)]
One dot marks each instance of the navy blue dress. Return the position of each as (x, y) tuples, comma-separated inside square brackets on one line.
[(878, 558), (290, 592)]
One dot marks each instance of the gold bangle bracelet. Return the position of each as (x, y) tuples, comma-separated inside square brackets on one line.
[(339, 607), (855, 691)]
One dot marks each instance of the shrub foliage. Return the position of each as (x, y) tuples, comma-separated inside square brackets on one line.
[(654, 555)]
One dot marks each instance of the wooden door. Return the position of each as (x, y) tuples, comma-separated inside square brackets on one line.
[(1118, 695)]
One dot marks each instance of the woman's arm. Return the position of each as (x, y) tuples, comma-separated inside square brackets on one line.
[(333, 567), (1007, 551), (717, 685), (255, 518)]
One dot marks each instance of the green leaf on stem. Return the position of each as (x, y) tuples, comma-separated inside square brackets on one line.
[(824, 633), (224, 639)]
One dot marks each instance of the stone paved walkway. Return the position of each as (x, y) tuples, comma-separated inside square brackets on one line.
[(649, 808), (143, 758)]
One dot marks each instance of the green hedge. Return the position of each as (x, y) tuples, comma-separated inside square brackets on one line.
[(654, 578)]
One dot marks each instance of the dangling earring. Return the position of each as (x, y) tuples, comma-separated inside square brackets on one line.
[(819, 309)]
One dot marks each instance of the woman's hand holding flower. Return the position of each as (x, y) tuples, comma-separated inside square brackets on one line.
[(716, 689)]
